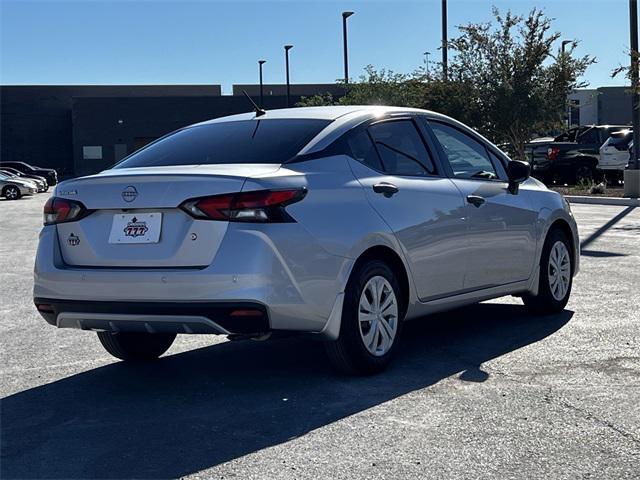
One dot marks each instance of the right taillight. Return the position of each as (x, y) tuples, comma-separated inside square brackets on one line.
[(263, 206), (552, 153), (60, 210)]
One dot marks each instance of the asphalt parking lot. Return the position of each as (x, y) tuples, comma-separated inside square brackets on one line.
[(487, 391)]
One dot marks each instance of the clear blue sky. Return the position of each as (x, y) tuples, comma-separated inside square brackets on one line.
[(165, 42)]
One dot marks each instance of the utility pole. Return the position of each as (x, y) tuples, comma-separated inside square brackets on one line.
[(632, 176), (286, 63), (260, 63), (345, 15), (564, 77), (445, 42), (426, 61)]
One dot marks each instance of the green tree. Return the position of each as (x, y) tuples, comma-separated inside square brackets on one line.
[(504, 78), (516, 82)]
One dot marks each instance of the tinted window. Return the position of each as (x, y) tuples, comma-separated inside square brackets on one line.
[(362, 149), (246, 141), (621, 140), (401, 148), (589, 136), (468, 157)]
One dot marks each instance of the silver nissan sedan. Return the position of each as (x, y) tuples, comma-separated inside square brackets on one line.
[(337, 222)]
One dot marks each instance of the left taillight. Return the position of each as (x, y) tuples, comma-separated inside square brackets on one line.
[(60, 210), (263, 206)]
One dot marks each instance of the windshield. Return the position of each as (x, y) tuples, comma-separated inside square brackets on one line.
[(246, 141)]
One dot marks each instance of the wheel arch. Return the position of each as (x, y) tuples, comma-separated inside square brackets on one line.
[(394, 261), (562, 225)]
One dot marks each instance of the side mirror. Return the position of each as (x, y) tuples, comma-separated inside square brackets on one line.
[(517, 172)]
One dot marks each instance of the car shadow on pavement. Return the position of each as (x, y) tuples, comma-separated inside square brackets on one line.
[(194, 410)]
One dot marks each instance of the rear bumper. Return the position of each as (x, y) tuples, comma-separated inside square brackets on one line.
[(156, 317), (288, 275)]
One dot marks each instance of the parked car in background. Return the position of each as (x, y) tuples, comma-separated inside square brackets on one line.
[(614, 154), (571, 157), (12, 187), (40, 182), (630, 155), (337, 222), (48, 173), (28, 180)]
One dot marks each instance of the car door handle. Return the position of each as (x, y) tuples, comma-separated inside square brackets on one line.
[(475, 200), (387, 189)]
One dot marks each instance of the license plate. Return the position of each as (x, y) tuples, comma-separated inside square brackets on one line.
[(136, 228)]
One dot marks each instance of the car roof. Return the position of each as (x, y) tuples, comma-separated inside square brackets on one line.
[(314, 113)]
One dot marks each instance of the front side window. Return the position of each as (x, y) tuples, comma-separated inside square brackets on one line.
[(401, 148), (468, 157), (245, 141)]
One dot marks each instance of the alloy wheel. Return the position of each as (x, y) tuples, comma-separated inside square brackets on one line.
[(12, 193), (559, 270), (378, 315)]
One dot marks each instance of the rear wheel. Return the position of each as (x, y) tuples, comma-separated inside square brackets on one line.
[(11, 193), (555, 281), (133, 346), (371, 321), (584, 174)]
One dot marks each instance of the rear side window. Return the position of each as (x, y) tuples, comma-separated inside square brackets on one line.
[(401, 148), (245, 141), (589, 136), (363, 150)]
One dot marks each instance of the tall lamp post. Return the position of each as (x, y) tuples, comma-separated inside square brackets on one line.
[(632, 175), (345, 15), (564, 75), (426, 61), (260, 63), (445, 42), (286, 64)]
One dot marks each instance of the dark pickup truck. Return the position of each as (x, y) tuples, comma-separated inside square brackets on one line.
[(571, 157)]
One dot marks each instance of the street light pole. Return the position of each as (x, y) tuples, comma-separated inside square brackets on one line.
[(632, 175), (286, 63), (345, 15), (564, 77), (635, 82), (260, 63), (445, 42)]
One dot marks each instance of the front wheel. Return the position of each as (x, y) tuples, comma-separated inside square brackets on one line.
[(372, 317), (555, 282), (134, 346), (11, 193)]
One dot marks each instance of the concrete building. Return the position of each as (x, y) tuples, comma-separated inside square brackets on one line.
[(82, 129), (600, 106)]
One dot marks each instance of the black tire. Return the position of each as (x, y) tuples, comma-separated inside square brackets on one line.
[(133, 346), (584, 173), (11, 192), (348, 354), (545, 303)]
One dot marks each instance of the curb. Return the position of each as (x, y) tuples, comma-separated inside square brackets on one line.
[(625, 202)]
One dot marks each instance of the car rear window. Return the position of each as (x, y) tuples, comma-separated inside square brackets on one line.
[(621, 139), (245, 141)]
